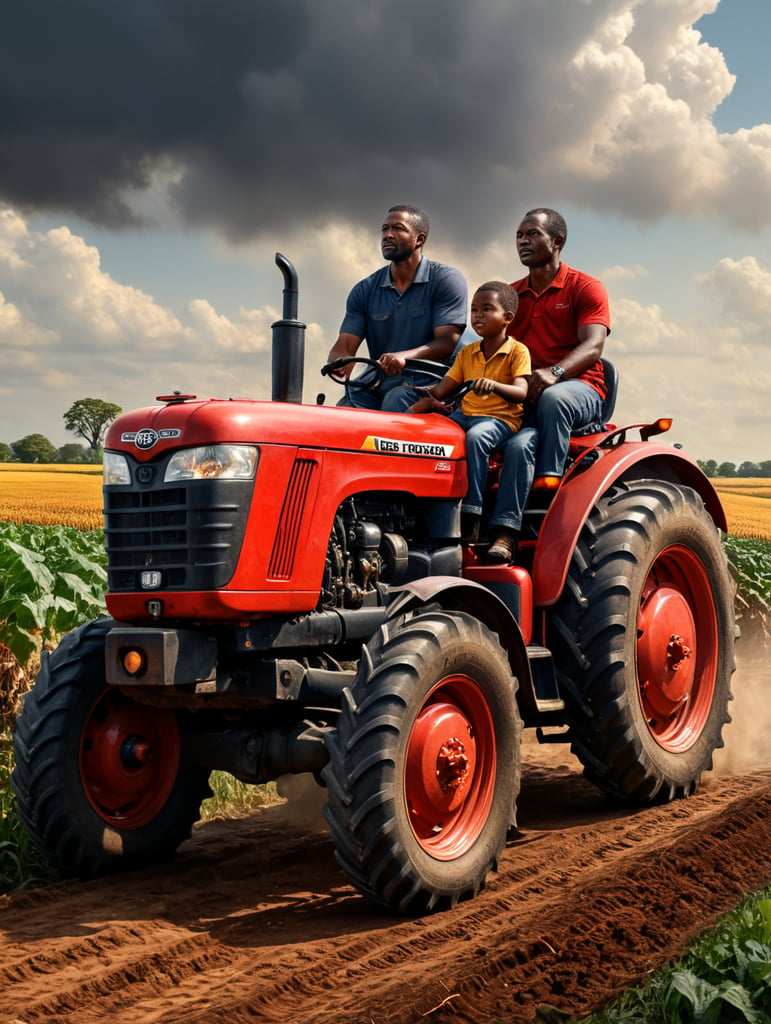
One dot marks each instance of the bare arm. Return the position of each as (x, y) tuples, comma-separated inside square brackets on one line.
[(591, 341), (346, 345), (437, 349), (514, 392), (432, 397)]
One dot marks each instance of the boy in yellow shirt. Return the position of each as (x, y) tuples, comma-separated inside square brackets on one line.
[(492, 411)]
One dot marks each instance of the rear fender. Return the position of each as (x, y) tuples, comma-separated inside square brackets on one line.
[(581, 490), (452, 593)]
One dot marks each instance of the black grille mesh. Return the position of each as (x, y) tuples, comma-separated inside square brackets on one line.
[(191, 535)]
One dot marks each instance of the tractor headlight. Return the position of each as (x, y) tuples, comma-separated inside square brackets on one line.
[(115, 469), (212, 462)]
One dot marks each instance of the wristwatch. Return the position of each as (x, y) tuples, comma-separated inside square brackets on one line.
[(558, 371)]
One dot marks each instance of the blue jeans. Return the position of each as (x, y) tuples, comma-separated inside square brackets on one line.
[(540, 447), (395, 394), (483, 436)]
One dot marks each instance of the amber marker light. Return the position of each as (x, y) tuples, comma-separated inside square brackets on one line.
[(659, 427), (133, 662)]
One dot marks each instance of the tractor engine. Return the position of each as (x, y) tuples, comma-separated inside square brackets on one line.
[(381, 541)]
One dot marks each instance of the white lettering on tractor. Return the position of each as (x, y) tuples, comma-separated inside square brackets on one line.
[(393, 446)]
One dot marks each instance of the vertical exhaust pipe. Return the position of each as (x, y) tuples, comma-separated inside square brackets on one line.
[(288, 341)]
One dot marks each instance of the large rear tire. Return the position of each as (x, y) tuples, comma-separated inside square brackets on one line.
[(643, 637), (100, 780), (424, 765)]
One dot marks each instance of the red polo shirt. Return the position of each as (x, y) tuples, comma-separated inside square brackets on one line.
[(548, 323)]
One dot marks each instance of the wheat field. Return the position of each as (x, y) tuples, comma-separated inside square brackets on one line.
[(747, 504), (51, 495), (72, 496)]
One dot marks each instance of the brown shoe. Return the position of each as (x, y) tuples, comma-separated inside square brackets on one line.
[(503, 546)]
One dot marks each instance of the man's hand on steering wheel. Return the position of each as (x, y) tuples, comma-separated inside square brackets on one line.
[(339, 369), (393, 363)]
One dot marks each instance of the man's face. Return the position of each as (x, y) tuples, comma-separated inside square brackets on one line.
[(534, 243), (398, 237)]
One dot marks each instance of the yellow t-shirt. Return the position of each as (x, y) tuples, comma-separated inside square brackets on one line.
[(510, 361)]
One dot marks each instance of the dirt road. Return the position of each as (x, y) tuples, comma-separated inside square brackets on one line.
[(254, 922)]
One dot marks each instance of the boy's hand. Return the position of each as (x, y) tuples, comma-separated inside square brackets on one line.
[(429, 404), (484, 386)]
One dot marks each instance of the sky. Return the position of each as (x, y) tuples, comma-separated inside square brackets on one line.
[(156, 154)]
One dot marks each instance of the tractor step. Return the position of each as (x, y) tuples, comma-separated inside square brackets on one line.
[(552, 737), (547, 697)]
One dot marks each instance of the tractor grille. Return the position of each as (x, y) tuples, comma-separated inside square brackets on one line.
[(285, 544), (190, 535)]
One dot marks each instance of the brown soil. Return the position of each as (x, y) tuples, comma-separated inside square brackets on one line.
[(254, 922)]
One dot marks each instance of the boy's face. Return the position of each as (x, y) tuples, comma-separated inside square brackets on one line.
[(488, 317)]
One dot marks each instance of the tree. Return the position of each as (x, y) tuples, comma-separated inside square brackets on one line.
[(89, 418), (72, 453), (709, 468), (748, 469), (33, 448), (5, 452), (726, 469)]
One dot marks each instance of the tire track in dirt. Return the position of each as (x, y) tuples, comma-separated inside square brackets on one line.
[(254, 922)]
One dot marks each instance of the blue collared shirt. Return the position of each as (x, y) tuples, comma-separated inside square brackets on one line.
[(392, 321)]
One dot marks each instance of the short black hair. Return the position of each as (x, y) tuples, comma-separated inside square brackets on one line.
[(554, 222), (419, 218), (507, 294)]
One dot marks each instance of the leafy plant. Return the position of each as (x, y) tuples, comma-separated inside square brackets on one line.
[(751, 559), (724, 977), (52, 578), (20, 863), (231, 797)]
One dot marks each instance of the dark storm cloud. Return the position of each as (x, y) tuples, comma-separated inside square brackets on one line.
[(269, 110), (294, 112)]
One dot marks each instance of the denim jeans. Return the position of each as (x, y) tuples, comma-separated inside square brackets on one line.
[(484, 435), (540, 447), (395, 394)]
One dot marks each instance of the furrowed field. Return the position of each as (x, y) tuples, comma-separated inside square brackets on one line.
[(52, 578)]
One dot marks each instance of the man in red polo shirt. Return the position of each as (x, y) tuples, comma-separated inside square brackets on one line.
[(563, 318)]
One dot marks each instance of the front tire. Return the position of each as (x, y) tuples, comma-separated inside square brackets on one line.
[(100, 780), (425, 763), (643, 637)]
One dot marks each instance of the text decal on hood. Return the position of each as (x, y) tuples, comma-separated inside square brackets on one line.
[(392, 446)]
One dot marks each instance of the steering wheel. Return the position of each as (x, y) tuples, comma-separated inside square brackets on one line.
[(369, 380), (422, 372)]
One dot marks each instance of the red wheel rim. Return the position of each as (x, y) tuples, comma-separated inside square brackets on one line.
[(677, 649), (450, 768), (129, 758)]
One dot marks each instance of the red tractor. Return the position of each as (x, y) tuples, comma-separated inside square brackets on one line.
[(289, 592)]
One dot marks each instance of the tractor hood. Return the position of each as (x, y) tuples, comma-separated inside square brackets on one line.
[(190, 422)]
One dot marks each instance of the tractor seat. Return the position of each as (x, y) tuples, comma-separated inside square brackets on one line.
[(609, 402), (580, 438)]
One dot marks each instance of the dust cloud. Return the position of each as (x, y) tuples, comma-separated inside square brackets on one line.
[(304, 798), (746, 738)]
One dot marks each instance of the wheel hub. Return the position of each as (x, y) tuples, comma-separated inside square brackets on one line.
[(452, 764), (440, 762), (135, 752), (129, 759), (665, 650)]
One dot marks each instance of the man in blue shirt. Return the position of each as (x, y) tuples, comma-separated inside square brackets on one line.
[(413, 308)]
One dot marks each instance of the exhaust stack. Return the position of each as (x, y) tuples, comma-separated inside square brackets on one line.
[(288, 341)]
